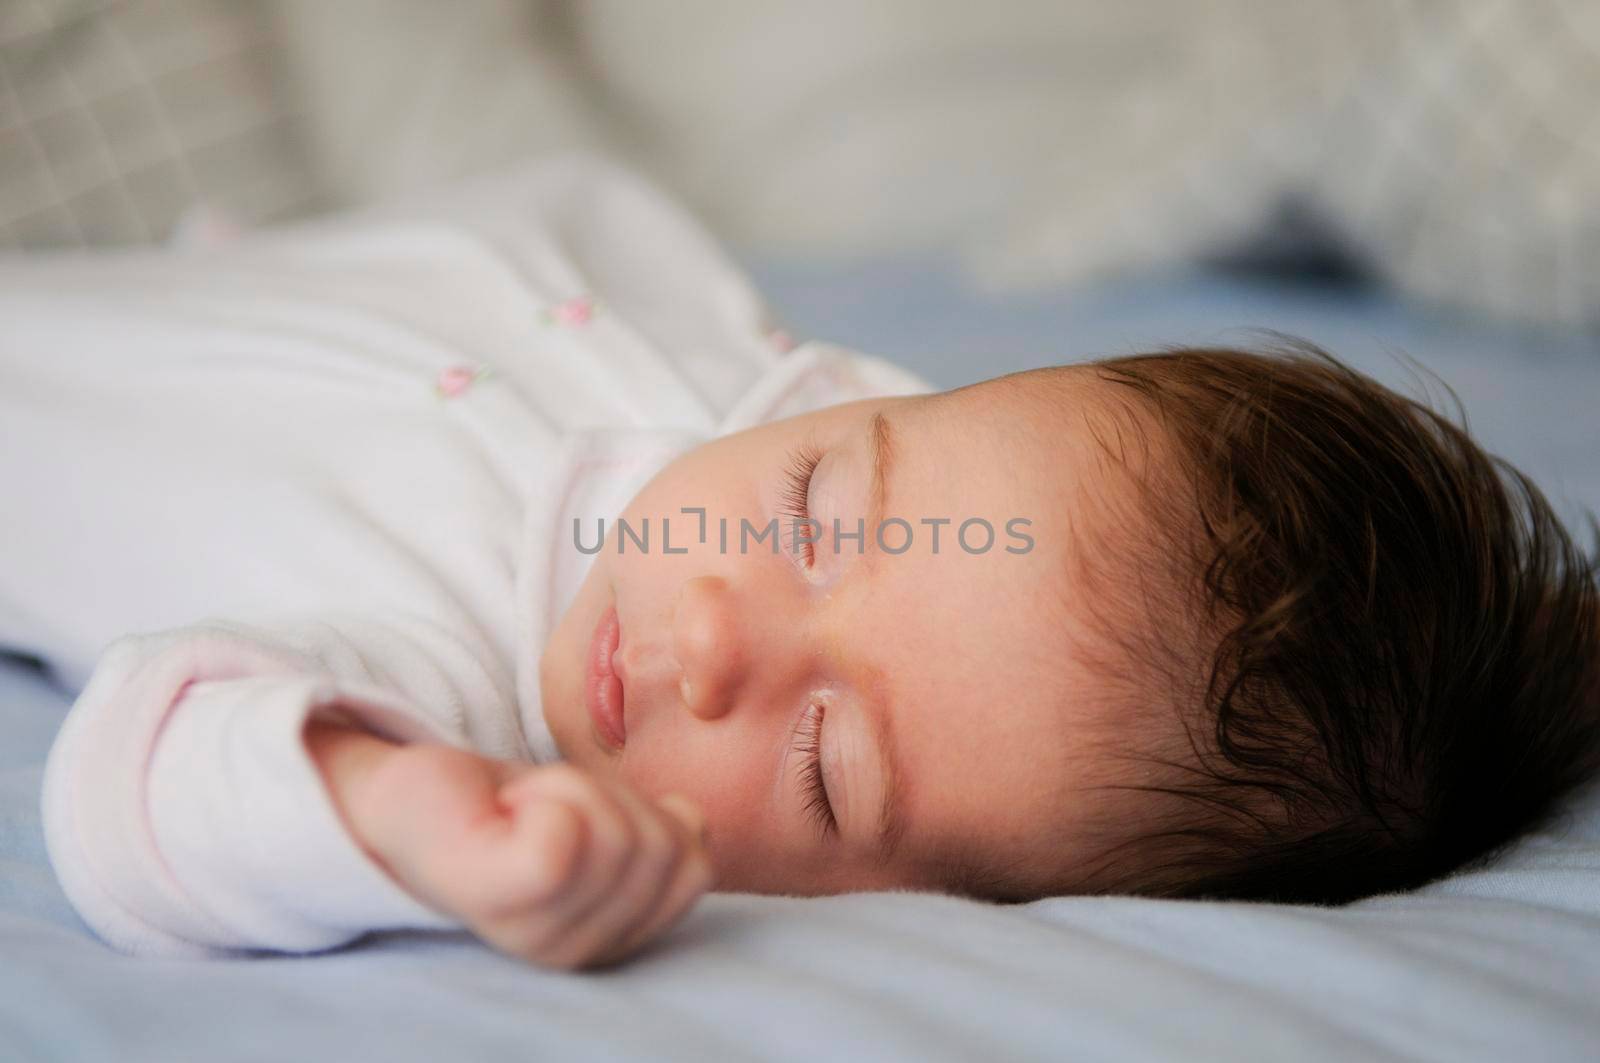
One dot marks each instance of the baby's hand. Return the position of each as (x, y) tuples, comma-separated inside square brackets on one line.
[(544, 862)]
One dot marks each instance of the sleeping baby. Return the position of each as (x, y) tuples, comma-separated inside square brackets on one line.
[(493, 563)]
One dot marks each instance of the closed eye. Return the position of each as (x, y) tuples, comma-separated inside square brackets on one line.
[(813, 788), (795, 500)]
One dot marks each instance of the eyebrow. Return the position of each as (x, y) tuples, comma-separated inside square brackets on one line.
[(891, 815), (881, 433)]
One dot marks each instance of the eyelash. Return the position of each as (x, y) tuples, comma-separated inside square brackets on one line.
[(808, 741), (796, 505), (795, 500)]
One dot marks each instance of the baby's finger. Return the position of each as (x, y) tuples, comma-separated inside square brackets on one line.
[(689, 816), (608, 851), (656, 890), (528, 858), (557, 838), (665, 838), (692, 879)]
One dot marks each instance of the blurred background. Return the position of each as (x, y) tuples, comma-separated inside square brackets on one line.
[(1448, 149), (970, 188)]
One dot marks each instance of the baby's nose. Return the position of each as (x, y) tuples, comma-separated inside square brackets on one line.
[(706, 639)]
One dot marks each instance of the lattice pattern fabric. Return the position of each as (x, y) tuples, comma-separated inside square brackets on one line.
[(1471, 163), (1453, 148), (1449, 146), (116, 117)]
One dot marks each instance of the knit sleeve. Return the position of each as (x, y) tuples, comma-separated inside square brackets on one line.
[(183, 813)]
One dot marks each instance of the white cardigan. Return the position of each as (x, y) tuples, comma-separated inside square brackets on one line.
[(332, 469)]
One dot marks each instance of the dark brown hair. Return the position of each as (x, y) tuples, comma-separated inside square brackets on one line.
[(1403, 665)]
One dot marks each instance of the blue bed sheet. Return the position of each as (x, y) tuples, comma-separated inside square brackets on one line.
[(1499, 963)]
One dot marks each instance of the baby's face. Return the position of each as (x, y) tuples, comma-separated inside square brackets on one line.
[(952, 714)]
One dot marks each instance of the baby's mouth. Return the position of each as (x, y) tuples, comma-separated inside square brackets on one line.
[(603, 692)]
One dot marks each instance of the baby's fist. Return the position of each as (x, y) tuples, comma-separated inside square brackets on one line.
[(547, 863), (578, 871)]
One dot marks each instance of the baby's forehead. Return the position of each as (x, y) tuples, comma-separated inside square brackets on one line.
[(1070, 405), (1066, 436)]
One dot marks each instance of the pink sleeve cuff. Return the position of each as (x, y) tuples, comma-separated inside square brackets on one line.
[(221, 835)]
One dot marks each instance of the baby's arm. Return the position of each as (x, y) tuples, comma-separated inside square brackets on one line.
[(546, 863), (185, 815)]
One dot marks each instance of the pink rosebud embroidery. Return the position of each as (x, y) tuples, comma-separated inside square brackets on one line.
[(573, 312), (456, 379), (781, 341)]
